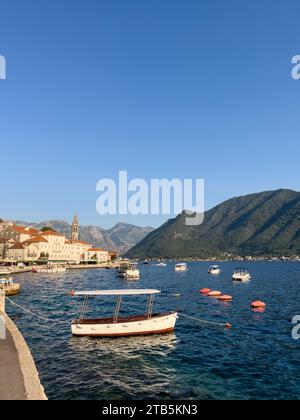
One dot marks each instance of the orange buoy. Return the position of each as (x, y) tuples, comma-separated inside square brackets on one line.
[(258, 305), (226, 298), (205, 291), (215, 294)]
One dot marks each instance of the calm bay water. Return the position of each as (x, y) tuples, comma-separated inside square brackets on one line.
[(256, 359)]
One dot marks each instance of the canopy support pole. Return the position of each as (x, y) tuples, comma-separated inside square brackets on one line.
[(150, 305), (117, 310)]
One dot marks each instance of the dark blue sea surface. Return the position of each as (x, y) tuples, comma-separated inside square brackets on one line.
[(256, 359)]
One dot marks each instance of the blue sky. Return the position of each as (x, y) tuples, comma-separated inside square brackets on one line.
[(162, 88)]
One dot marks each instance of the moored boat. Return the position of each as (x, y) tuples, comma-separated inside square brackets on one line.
[(8, 285), (241, 274), (181, 267), (214, 270), (120, 326)]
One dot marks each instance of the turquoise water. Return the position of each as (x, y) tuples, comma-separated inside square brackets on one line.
[(256, 359)]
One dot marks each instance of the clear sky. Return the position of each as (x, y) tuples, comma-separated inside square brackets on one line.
[(161, 88)]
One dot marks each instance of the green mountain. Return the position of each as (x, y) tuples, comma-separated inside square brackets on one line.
[(260, 224)]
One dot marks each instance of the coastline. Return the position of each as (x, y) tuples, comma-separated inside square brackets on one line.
[(21, 372)]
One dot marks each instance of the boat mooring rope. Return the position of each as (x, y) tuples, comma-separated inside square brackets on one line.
[(29, 312), (202, 321)]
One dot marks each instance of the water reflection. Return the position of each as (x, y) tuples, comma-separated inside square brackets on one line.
[(160, 344)]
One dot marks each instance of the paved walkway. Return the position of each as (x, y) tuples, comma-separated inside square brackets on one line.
[(11, 378)]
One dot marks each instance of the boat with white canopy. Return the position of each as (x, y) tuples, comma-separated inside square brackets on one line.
[(181, 267), (119, 326), (241, 274)]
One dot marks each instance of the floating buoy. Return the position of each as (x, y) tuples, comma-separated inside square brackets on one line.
[(258, 305), (226, 298), (215, 294), (205, 291)]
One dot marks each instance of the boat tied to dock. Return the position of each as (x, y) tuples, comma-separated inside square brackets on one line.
[(120, 326)]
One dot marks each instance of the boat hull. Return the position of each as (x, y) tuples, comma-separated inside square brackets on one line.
[(11, 290), (241, 278), (134, 326)]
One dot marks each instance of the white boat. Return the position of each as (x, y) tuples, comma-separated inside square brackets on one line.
[(50, 269), (181, 267), (132, 274), (240, 274), (161, 265), (8, 285), (119, 326), (214, 270)]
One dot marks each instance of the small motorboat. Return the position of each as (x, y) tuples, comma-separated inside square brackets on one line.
[(214, 270), (8, 285), (132, 273), (241, 274), (161, 265), (181, 267), (119, 326), (129, 271)]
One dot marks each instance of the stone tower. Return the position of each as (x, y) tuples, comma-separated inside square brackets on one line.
[(75, 229)]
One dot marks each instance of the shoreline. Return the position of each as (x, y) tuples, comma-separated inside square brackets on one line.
[(20, 378)]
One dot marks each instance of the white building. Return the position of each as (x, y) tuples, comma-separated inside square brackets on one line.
[(19, 243)]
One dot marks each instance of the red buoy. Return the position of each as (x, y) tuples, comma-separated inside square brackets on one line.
[(225, 298), (258, 305), (215, 294), (205, 291)]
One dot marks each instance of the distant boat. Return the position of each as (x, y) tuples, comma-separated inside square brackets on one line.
[(241, 274), (129, 271), (214, 270), (181, 267), (132, 273), (8, 285), (119, 326), (161, 265)]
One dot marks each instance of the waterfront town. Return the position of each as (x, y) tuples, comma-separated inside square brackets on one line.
[(22, 244)]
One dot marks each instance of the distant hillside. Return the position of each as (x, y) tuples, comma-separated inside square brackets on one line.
[(121, 237), (266, 223)]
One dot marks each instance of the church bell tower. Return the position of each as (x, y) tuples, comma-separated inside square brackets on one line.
[(75, 229)]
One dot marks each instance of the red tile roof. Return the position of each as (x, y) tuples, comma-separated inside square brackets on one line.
[(25, 230), (35, 239), (17, 246)]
